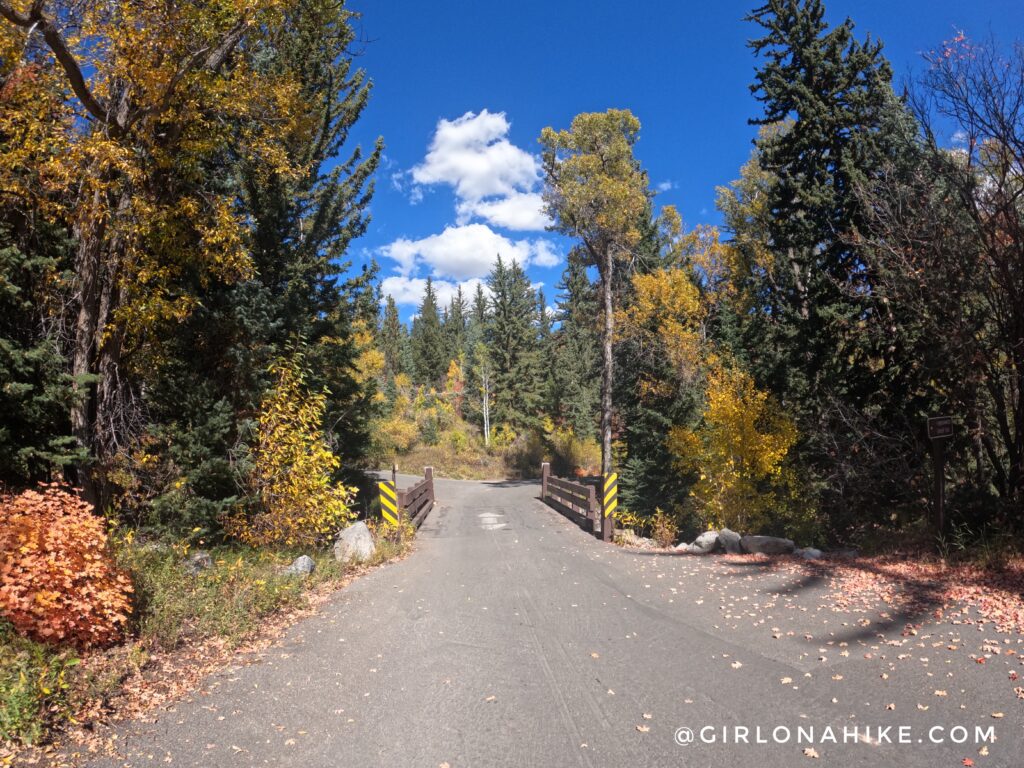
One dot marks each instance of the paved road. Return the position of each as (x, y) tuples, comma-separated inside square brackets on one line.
[(511, 638)]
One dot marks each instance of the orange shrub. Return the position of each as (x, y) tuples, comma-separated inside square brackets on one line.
[(58, 582)]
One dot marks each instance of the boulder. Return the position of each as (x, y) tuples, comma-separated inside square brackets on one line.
[(301, 566), (729, 541), (706, 542), (354, 543), (691, 549), (766, 545), (808, 553), (198, 561)]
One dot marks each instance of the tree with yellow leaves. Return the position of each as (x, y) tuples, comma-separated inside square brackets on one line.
[(295, 500), (739, 442), (123, 108), (597, 192), (737, 450)]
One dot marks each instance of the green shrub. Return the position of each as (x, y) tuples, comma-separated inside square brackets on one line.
[(228, 600), (33, 686)]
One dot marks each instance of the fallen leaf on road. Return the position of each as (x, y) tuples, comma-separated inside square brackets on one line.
[(647, 715), (890, 706), (643, 728), (491, 698), (736, 664), (595, 655), (811, 752), (997, 715), (786, 680)]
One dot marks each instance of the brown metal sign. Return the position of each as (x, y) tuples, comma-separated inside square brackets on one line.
[(940, 428)]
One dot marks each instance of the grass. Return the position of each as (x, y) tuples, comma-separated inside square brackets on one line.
[(42, 687), (33, 686), (465, 464)]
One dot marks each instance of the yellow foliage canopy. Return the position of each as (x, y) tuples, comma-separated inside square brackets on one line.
[(737, 449), (298, 504)]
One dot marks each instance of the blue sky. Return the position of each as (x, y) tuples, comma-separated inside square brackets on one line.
[(463, 89)]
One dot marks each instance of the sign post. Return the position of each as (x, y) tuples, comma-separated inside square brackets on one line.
[(389, 507), (610, 500), (940, 431)]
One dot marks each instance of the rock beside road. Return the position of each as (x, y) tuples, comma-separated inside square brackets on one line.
[(704, 544), (730, 542), (354, 543), (301, 566), (808, 553), (767, 545)]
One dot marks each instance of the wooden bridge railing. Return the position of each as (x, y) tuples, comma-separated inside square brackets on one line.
[(577, 501), (417, 501)]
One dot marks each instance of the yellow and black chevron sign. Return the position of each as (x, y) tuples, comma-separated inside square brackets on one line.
[(611, 493), (388, 501)]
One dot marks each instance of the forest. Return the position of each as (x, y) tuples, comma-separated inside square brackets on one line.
[(191, 354)]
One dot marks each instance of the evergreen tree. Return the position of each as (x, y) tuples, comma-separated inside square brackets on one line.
[(480, 312), (214, 372), (456, 326), (837, 126), (428, 347), (35, 389), (512, 340), (576, 352), (392, 334)]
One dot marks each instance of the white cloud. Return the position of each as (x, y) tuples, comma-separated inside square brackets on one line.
[(544, 254), (409, 290), (665, 186), (466, 252), (493, 179), (474, 155), (519, 211)]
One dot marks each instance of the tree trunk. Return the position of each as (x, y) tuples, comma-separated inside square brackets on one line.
[(487, 410), (96, 348), (607, 372), (88, 267)]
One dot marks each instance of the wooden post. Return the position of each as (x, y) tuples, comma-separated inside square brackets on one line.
[(593, 511), (428, 474), (394, 473), (940, 431), (545, 471)]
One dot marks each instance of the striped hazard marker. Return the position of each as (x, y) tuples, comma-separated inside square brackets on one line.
[(611, 493), (388, 501)]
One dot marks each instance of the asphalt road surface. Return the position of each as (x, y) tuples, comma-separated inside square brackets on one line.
[(512, 638)]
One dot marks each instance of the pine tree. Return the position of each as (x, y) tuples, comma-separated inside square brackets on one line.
[(35, 389), (392, 334), (512, 340), (834, 126), (575, 352), (214, 372), (428, 347), (455, 327)]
